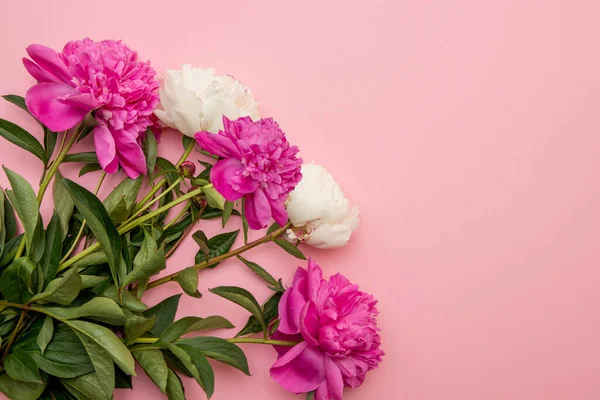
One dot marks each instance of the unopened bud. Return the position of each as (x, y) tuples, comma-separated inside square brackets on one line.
[(187, 169)]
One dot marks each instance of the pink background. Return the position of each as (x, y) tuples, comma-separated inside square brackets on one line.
[(467, 132)]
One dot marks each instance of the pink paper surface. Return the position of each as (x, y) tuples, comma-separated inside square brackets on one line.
[(466, 131)]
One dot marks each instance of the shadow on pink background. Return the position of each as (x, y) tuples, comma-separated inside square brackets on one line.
[(466, 131)]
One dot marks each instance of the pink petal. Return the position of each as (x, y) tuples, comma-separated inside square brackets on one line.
[(290, 309), (49, 60), (85, 101), (43, 101), (39, 74), (131, 155), (300, 370), (221, 176), (309, 324), (333, 387), (205, 141), (106, 149), (258, 210), (279, 212), (314, 278)]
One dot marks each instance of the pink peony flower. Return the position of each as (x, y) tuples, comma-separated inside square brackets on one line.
[(337, 324), (258, 164), (104, 76)]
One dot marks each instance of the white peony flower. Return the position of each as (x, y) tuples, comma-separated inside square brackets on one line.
[(321, 214), (194, 99)]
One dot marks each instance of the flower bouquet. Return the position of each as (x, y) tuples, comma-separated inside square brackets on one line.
[(73, 322)]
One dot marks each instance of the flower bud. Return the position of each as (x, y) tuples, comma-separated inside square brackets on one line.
[(187, 169), (214, 198)]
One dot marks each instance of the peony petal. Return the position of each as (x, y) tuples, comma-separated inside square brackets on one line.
[(85, 101), (279, 213), (290, 309), (333, 387), (222, 174), (258, 210), (43, 102), (205, 141), (39, 74), (131, 155), (314, 279), (49, 60), (300, 370), (309, 324), (105, 149)]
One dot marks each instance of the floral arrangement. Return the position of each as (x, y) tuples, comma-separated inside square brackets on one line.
[(72, 318)]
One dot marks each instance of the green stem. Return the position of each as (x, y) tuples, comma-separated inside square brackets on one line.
[(183, 211), (83, 225), (218, 259), (141, 205), (157, 198), (232, 340), (47, 179), (14, 334), (133, 224)]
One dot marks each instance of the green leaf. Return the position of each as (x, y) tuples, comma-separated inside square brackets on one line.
[(169, 170), (165, 314), (310, 395), (213, 197), (186, 141), (260, 271), (25, 140), (188, 280), (17, 100), (85, 157), (2, 227), (63, 204), (183, 358), (99, 222), (206, 375), (149, 261), (86, 387), (45, 335), (243, 298), (153, 362), (21, 367), (175, 389), (16, 280), (50, 139), (96, 258), (90, 281), (10, 250), (220, 350), (17, 390), (53, 250), (227, 210), (24, 200), (87, 168), (211, 213), (108, 341), (100, 309), (151, 152), (136, 326), (103, 365), (290, 248), (65, 356), (270, 312), (61, 290), (217, 246), (194, 324), (202, 241), (120, 201), (10, 221), (273, 228), (130, 302)]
